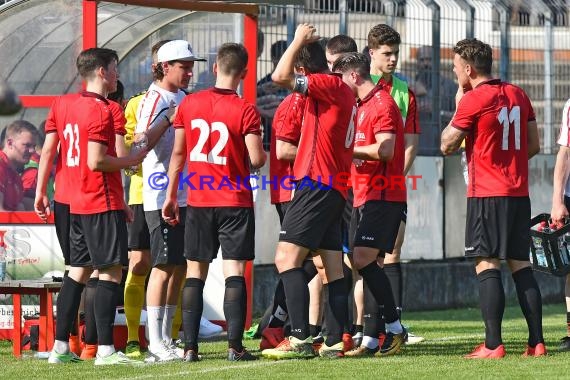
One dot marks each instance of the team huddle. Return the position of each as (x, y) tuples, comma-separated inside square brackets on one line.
[(347, 116)]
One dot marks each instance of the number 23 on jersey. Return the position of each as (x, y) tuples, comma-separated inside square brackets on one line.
[(71, 136)]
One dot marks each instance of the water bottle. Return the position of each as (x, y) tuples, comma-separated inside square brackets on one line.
[(539, 251), (140, 143), (2, 260), (465, 167)]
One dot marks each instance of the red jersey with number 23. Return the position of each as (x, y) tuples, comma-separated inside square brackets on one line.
[(377, 180), (216, 122), (327, 139), (496, 116), (59, 121)]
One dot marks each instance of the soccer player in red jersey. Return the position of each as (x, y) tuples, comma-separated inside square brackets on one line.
[(285, 135), (219, 134), (64, 184), (498, 123), (312, 222), (384, 48), (85, 130), (379, 190)]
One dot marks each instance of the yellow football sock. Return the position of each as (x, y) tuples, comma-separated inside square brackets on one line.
[(134, 300), (177, 321)]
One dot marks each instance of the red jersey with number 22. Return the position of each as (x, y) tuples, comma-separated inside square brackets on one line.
[(216, 122), (327, 139), (496, 116)]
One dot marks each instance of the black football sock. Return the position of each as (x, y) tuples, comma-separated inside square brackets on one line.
[(192, 307), (297, 295), (394, 274), (89, 306), (235, 305), (370, 317), (336, 311), (492, 303), (67, 306), (264, 322), (530, 301), (379, 286), (279, 309), (105, 304), (314, 330)]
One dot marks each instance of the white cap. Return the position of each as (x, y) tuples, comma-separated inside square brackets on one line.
[(176, 50)]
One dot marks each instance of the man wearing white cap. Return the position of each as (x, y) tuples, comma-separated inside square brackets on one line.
[(172, 72)]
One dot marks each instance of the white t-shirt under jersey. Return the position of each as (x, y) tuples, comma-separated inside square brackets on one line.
[(564, 137), (155, 166)]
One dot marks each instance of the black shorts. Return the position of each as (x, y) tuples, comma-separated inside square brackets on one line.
[(100, 237), (208, 228), (281, 210), (166, 241), (498, 227), (405, 214), (313, 218), (62, 225), (376, 224), (567, 202), (139, 235)]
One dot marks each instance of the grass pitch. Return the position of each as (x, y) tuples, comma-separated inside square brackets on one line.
[(449, 335)]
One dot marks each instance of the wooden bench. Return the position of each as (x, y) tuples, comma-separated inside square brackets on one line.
[(45, 289)]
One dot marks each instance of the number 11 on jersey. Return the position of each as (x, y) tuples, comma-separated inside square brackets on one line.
[(506, 119)]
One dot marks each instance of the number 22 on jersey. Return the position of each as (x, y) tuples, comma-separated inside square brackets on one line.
[(71, 135), (206, 130), (507, 118)]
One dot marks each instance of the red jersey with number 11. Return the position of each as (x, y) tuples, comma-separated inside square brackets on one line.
[(216, 122), (496, 115)]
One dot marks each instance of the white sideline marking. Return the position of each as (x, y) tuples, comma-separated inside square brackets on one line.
[(258, 363), (456, 337)]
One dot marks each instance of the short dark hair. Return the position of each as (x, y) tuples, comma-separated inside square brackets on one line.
[(353, 61), (476, 53), (341, 44), (15, 128), (382, 34), (232, 59), (277, 49), (91, 59), (312, 57)]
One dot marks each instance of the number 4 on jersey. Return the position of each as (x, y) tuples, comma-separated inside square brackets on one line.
[(71, 135), (506, 118)]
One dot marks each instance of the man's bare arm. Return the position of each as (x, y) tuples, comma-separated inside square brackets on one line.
[(451, 139), (412, 142)]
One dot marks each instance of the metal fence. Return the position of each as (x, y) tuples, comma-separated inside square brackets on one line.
[(530, 39)]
